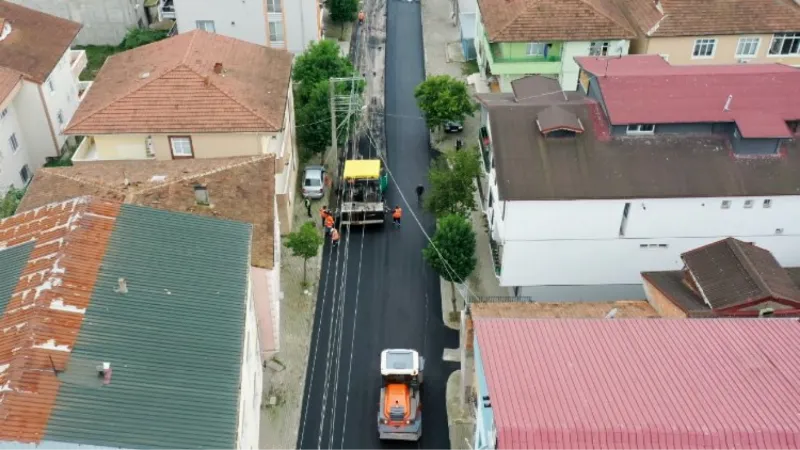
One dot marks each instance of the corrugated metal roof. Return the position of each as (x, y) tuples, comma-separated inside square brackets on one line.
[(12, 261), (643, 383), (174, 340)]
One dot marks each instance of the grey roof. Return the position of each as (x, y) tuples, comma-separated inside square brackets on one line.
[(556, 118), (670, 283), (174, 340), (534, 86), (12, 261), (595, 165)]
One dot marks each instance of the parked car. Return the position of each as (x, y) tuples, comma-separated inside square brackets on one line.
[(453, 127), (314, 182)]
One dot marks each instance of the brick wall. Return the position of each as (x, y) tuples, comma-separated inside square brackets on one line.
[(661, 303)]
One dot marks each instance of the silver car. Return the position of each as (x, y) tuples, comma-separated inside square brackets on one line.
[(313, 182)]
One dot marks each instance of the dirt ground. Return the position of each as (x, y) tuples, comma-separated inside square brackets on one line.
[(284, 378), (576, 310)]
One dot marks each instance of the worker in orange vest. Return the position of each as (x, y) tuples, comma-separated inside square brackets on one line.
[(397, 214), (329, 222), (335, 237), (323, 213)]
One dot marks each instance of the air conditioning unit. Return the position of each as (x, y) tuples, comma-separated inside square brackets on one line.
[(743, 61)]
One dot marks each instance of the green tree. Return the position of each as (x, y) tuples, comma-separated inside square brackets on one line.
[(10, 202), (314, 119), (304, 243), (452, 177), (442, 98), (452, 251), (343, 11), (136, 37), (320, 62)]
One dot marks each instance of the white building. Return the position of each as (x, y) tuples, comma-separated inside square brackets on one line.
[(576, 213), (284, 24), (105, 22), (39, 89)]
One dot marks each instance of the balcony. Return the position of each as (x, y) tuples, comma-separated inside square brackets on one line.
[(77, 62), (86, 151), (486, 148), (83, 88), (513, 58), (495, 249), (166, 10)]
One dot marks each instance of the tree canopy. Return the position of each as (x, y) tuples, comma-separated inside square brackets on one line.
[(313, 118), (442, 98), (342, 10), (452, 177), (321, 61), (10, 202), (304, 243), (452, 251)]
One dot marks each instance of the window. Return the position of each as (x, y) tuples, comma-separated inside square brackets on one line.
[(767, 203), (207, 25), (3, 113), (535, 48), (51, 86), (598, 49), (784, 44), (653, 246), (13, 143), (60, 117), (726, 204), (778, 230), (748, 204), (274, 6), (181, 146), (641, 128), (766, 312), (201, 195), (25, 174), (704, 48), (276, 32), (747, 47)]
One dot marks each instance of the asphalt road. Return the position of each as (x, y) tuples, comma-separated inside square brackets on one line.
[(376, 291)]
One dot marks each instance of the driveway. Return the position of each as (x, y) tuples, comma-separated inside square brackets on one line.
[(391, 297)]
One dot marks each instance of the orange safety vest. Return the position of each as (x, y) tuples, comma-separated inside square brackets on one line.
[(329, 221), (397, 213), (334, 235)]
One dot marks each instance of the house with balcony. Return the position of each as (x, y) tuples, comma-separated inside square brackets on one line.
[(195, 95), (289, 25), (585, 192), (39, 89), (716, 32), (517, 38), (635, 383), (119, 314), (105, 22)]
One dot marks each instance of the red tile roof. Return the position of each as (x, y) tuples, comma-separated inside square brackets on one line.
[(642, 383), (647, 89), (40, 324), (170, 86), (37, 41), (8, 81)]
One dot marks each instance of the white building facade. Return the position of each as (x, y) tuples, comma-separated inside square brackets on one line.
[(287, 24)]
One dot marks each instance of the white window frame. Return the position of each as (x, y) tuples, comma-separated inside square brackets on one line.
[(748, 204), (51, 86), (636, 128), (274, 6), (532, 47), (27, 170), (726, 204), (13, 142), (282, 35), (782, 37), (3, 113), (603, 46), (704, 42), (203, 25), (749, 42), (184, 145), (767, 203)]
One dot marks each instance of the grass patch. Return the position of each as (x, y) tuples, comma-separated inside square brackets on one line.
[(454, 316), (469, 67), (96, 55)]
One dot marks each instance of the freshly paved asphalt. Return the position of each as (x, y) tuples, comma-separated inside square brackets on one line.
[(391, 296)]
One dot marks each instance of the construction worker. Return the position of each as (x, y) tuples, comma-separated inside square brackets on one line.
[(329, 222), (335, 237), (323, 213), (307, 203), (360, 17), (397, 214), (420, 190)]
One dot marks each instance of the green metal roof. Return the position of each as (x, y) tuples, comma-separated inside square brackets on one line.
[(174, 340), (12, 261)]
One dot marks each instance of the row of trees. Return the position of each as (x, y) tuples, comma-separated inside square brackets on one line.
[(452, 176)]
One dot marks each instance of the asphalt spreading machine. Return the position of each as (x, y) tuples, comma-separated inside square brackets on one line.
[(400, 414), (363, 190)]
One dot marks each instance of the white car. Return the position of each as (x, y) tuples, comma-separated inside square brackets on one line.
[(314, 182)]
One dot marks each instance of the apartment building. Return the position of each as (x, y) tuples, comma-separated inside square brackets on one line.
[(39, 89), (284, 24)]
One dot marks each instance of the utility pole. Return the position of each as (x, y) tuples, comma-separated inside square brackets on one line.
[(348, 104), (332, 99)]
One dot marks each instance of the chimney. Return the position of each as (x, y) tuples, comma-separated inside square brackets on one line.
[(123, 286), (104, 371), (728, 103), (218, 68)]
